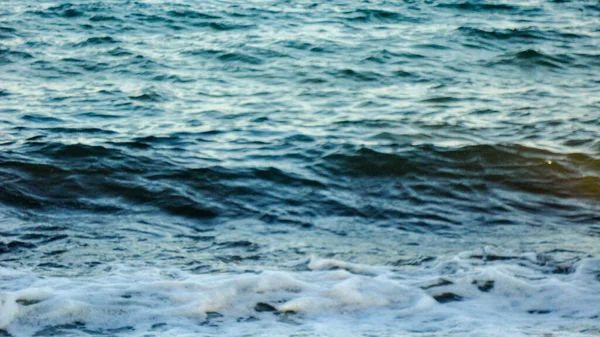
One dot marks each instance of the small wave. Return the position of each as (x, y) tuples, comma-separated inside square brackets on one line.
[(97, 115), (476, 6), (172, 79), (147, 97), (533, 58), (433, 46), (5, 29), (203, 52), (104, 18), (41, 118), (7, 33), (120, 52), (240, 57), (58, 11), (521, 35), (94, 41), (314, 80), (378, 15), (93, 177), (59, 151), (151, 18), (15, 245), (505, 34), (441, 100), (358, 76), (167, 140), (68, 10), (10, 56), (314, 48), (71, 188), (71, 13), (386, 57), (367, 162), (221, 26), (521, 168), (529, 54), (190, 14), (86, 65), (79, 130)]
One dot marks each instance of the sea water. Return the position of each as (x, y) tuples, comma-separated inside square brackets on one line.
[(300, 168)]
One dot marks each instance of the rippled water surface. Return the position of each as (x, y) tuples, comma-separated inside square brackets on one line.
[(373, 168)]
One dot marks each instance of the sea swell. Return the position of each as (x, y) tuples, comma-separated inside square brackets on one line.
[(62, 174)]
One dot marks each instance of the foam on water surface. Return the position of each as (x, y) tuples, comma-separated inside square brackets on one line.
[(464, 295)]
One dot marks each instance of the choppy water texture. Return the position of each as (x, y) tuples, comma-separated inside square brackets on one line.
[(364, 168)]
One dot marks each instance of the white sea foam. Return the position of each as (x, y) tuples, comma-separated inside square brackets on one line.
[(459, 296)]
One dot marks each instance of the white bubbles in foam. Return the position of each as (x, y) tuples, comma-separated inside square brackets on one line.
[(461, 295), (8, 309)]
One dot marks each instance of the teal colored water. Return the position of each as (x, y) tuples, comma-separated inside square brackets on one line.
[(414, 143)]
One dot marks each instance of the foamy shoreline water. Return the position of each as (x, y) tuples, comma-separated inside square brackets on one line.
[(468, 294)]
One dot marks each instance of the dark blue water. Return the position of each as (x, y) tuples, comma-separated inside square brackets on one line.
[(203, 138)]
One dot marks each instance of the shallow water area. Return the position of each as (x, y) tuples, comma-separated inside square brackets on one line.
[(470, 294), (366, 168)]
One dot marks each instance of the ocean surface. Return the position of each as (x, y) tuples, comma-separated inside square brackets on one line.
[(300, 168)]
